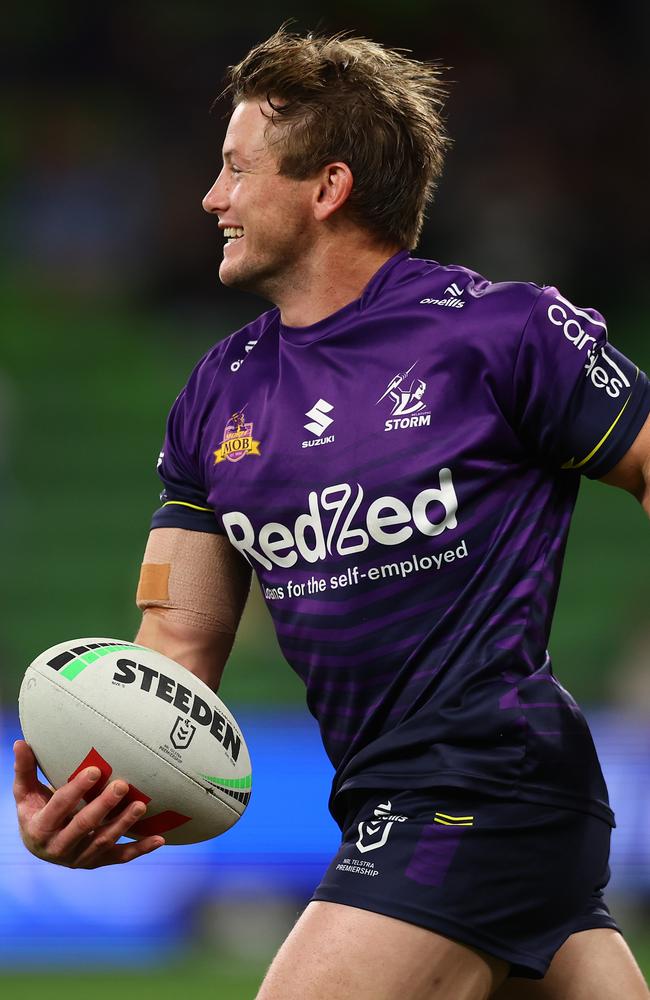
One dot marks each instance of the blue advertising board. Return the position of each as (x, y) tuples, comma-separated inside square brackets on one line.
[(141, 912)]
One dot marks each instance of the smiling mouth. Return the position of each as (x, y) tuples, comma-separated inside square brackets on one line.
[(232, 234)]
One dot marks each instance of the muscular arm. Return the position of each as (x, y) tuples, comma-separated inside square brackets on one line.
[(202, 653), (192, 591), (632, 473)]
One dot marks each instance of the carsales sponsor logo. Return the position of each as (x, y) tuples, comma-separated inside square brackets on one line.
[(606, 374), (335, 522), (601, 368), (572, 321)]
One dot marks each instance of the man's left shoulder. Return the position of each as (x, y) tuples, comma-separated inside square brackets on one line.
[(453, 289)]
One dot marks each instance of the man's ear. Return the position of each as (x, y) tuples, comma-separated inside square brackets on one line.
[(334, 188)]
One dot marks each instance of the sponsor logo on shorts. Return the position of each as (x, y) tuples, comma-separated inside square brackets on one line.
[(374, 833), (357, 866), (409, 407), (237, 441)]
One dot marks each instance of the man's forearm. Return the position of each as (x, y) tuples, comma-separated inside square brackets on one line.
[(632, 473), (203, 653), (642, 491)]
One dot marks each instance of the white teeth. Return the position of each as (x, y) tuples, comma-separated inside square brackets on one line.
[(233, 232)]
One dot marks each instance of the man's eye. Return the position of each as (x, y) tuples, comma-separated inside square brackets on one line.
[(234, 169)]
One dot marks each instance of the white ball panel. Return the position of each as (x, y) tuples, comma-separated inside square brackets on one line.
[(165, 750)]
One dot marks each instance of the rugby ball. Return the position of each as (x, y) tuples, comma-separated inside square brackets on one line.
[(139, 716)]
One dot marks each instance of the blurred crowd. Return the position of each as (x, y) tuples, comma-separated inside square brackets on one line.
[(107, 149), (110, 145), (108, 265)]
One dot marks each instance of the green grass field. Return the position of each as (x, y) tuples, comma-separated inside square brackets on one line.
[(218, 980)]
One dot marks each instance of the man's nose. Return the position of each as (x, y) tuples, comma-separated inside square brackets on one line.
[(216, 201)]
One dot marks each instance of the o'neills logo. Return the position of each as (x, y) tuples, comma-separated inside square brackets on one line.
[(335, 523), (237, 440)]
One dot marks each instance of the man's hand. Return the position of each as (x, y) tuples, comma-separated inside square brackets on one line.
[(53, 830)]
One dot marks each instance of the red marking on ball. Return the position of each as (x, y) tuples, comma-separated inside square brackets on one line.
[(94, 759), (160, 823)]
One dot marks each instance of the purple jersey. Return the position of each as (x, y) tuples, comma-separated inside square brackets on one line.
[(401, 477)]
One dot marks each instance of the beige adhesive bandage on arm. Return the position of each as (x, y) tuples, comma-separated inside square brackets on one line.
[(198, 578)]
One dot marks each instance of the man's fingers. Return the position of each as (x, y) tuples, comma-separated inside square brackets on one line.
[(103, 849), (120, 854), (129, 852), (88, 835), (66, 831), (25, 777), (64, 801), (54, 828)]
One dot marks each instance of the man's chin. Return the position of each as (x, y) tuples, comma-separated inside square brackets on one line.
[(228, 275), (234, 275), (246, 279)]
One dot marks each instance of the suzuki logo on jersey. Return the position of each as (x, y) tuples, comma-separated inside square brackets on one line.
[(453, 300), (237, 440), (409, 409), (334, 523), (319, 423), (374, 833)]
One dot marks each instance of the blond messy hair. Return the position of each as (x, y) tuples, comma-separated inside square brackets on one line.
[(349, 99)]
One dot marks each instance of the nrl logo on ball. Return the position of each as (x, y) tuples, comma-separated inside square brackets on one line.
[(182, 733)]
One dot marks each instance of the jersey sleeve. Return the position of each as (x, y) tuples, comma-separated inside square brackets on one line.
[(579, 403), (184, 499)]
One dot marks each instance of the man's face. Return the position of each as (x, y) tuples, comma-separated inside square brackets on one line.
[(274, 212)]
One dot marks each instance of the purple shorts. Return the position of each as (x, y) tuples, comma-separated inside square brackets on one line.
[(513, 879)]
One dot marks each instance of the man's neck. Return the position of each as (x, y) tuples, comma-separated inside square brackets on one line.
[(330, 282)]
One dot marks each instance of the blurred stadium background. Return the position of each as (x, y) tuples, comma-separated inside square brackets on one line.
[(109, 296)]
